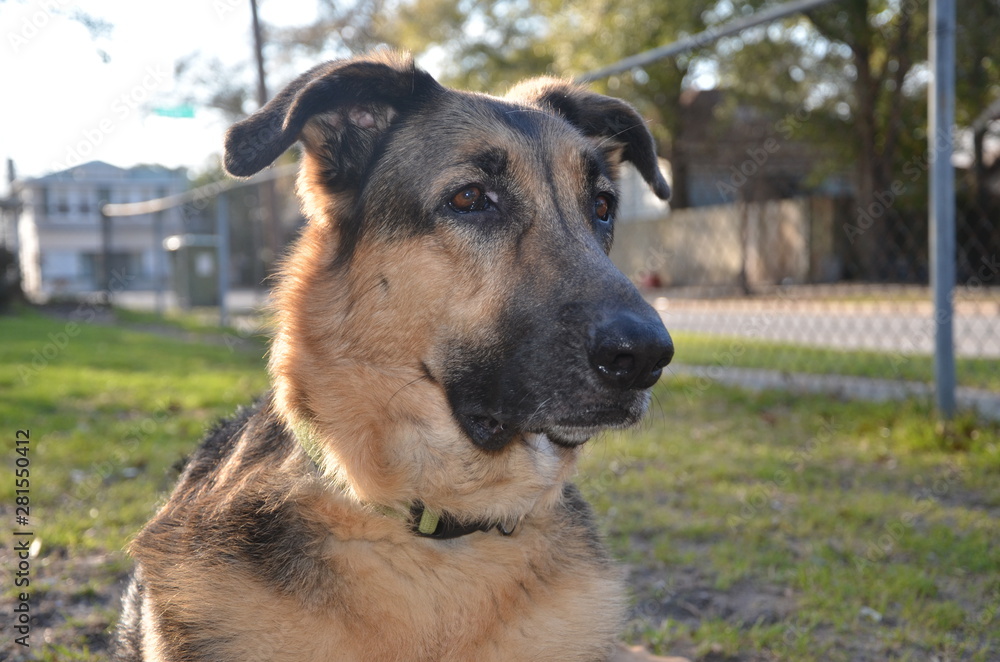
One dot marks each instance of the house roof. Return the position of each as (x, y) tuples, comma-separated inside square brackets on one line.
[(101, 172)]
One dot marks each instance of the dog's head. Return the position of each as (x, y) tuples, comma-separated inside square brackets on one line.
[(450, 325)]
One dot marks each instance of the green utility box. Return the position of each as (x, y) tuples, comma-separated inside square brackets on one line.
[(194, 269)]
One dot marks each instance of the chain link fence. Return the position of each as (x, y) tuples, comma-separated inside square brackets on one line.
[(773, 260), (803, 285), (789, 286)]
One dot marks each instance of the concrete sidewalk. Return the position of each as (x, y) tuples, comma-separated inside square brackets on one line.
[(906, 328), (986, 403)]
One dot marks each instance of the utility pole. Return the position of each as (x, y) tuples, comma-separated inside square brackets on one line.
[(258, 45), (271, 230), (104, 262), (159, 266), (9, 204), (222, 238), (941, 119)]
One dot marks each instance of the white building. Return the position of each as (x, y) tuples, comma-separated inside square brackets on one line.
[(637, 201), (60, 237)]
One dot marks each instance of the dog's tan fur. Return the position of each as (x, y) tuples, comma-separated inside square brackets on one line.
[(259, 555)]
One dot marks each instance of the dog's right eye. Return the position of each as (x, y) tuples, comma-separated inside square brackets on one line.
[(470, 198)]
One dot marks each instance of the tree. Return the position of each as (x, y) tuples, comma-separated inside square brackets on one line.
[(884, 40), (474, 44), (856, 68), (340, 29), (600, 32), (491, 45), (977, 84)]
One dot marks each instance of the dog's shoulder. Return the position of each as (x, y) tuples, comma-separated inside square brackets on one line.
[(254, 434), (237, 500), (230, 469)]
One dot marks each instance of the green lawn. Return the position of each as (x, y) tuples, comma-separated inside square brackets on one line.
[(753, 526), (781, 527), (110, 410)]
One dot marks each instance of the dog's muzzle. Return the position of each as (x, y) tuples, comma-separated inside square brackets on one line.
[(621, 355), (629, 352)]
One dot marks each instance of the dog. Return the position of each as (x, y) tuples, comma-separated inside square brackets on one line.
[(449, 332)]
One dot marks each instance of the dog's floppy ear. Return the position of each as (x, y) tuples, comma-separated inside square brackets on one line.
[(338, 109), (615, 125)]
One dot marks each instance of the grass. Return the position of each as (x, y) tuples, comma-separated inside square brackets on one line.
[(720, 350), (200, 322), (109, 410), (767, 526), (874, 528)]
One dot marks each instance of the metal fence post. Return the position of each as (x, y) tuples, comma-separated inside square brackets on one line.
[(104, 257), (222, 237), (941, 116), (159, 270)]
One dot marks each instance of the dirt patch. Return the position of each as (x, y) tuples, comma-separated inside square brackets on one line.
[(687, 596), (690, 597), (74, 605)]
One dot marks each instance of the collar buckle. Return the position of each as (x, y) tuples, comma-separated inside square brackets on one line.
[(428, 523), (507, 532)]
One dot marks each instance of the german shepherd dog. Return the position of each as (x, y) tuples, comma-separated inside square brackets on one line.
[(450, 331)]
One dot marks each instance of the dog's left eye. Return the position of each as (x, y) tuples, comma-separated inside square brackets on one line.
[(602, 207), (470, 198)]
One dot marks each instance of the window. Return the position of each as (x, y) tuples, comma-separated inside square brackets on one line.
[(62, 203), (43, 200), (124, 267)]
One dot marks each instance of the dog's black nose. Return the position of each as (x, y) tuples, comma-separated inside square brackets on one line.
[(629, 351)]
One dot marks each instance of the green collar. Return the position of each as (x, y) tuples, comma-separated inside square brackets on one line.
[(424, 521)]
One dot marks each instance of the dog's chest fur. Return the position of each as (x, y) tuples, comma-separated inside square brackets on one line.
[(304, 575)]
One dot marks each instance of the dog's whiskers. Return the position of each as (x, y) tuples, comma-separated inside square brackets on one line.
[(526, 110), (539, 410), (625, 130), (350, 309), (400, 389)]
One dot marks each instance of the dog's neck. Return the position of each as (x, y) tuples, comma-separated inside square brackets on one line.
[(423, 521)]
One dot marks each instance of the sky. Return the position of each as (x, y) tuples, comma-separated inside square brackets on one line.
[(71, 97)]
